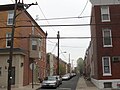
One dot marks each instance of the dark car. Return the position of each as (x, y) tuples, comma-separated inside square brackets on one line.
[(50, 81)]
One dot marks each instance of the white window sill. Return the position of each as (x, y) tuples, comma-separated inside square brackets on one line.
[(107, 74), (107, 46), (105, 20)]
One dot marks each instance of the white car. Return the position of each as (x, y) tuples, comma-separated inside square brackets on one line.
[(50, 81), (66, 77)]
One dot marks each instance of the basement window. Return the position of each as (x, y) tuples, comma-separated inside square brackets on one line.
[(107, 84)]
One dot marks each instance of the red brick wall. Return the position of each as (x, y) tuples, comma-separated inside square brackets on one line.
[(23, 43), (99, 50)]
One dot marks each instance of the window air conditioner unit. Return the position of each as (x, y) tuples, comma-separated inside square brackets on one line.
[(116, 59)]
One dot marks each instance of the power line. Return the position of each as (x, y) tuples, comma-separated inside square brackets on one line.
[(56, 37), (12, 1), (115, 15), (52, 19), (62, 25), (51, 41), (54, 47), (43, 14), (83, 9), (66, 18)]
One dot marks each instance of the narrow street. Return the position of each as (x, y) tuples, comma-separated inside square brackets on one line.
[(66, 85)]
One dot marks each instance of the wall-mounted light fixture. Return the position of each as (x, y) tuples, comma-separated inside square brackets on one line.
[(21, 65)]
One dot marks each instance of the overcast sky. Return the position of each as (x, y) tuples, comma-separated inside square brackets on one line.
[(63, 9)]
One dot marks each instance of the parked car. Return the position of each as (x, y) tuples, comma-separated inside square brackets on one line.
[(50, 81), (59, 79), (66, 77), (72, 75)]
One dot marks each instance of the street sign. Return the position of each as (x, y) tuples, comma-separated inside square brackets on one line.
[(33, 65)]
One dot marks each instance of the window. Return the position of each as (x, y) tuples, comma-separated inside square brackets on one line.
[(107, 84), (33, 29), (34, 45), (10, 17), (106, 66), (39, 40), (8, 40), (105, 15), (107, 39)]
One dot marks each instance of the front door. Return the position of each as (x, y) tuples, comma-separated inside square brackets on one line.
[(13, 76)]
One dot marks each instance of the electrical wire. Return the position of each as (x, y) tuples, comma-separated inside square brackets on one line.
[(62, 53), (65, 18), (44, 15), (60, 37), (51, 41), (83, 9), (54, 48), (69, 46), (12, 1), (109, 24)]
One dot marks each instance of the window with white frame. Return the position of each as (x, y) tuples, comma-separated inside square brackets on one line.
[(106, 66), (105, 15), (10, 17), (33, 29), (8, 40), (107, 38), (34, 44), (39, 41)]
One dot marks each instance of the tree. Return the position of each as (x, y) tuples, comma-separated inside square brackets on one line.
[(80, 66), (62, 69)]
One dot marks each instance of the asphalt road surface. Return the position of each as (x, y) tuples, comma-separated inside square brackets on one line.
[(66, 85)]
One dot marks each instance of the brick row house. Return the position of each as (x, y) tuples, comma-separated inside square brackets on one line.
[(29, 46), (104, 50), (52, 66)]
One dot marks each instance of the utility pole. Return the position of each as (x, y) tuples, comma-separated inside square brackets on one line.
[(11, 49), (12, 43), (58, 37), (69, 64)]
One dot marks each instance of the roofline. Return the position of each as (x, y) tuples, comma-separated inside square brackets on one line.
[(19, 7)]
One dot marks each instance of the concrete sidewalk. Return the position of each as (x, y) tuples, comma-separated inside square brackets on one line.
[(28, 87), (85, 85), (88, 85), (81, 85)]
